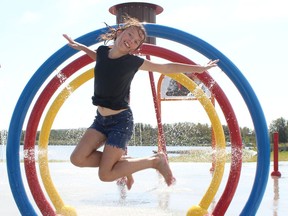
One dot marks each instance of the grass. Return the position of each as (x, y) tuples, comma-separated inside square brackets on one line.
[(282, 156), (206, 156)]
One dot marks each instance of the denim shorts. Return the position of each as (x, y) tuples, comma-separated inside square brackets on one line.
[(117, 128)]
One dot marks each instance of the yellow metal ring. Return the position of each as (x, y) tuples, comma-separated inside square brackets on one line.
[(204, 204), (200, 209), (55, 198)]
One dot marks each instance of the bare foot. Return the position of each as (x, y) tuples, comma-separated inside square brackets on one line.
[(161, 164), (129, 182)]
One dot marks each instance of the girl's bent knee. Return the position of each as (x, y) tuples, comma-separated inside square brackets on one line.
[(105, 176), (75, 161)]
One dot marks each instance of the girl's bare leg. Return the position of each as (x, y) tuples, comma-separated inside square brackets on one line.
[(85, 153), (113, 167)]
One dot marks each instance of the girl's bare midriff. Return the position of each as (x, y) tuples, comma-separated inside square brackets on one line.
[(107, 112)]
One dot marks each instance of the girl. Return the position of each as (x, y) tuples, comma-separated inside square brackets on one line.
[(113, 124)]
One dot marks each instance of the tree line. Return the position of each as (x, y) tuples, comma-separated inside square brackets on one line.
[(184, 133), (280, 125)]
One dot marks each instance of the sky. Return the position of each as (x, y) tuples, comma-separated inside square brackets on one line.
[(251, 33)]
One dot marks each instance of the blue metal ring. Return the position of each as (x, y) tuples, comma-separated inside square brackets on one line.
[(47, 68)]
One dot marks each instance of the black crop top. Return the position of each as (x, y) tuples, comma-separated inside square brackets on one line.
[(112, 79)]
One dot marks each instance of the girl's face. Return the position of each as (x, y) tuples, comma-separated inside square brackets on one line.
[(130, 39)]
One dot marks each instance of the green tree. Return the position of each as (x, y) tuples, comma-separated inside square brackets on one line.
[(280, 125), (226, 133)]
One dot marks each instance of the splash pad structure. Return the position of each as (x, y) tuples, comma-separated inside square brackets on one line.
[(63, 54)]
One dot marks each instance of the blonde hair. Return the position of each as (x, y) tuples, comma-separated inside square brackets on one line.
[(129, 22)]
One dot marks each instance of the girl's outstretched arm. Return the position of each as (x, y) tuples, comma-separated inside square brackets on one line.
[(78, 46), (176, 67)]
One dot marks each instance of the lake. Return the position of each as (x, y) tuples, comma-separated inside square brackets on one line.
[(62, 153)]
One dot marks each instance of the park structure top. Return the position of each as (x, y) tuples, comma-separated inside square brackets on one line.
[(144, 12)]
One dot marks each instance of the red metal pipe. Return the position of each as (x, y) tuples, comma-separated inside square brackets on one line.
[(161, 137), (236, 140), (276, 172)]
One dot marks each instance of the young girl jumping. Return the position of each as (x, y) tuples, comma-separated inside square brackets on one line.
[(113, 124)]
